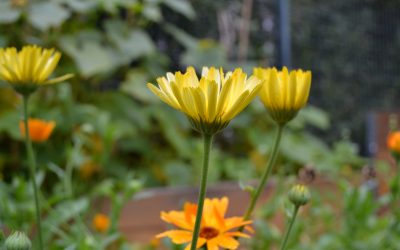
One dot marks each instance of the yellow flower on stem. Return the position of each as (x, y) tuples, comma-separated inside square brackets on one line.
[(215, 231), (39, 130), (29, 68), (211, 101), (101, 222), (284, 93)]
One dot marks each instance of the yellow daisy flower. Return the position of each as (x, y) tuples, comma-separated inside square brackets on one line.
[(216, 230), (284, 93), (211, 101), (29, 68)]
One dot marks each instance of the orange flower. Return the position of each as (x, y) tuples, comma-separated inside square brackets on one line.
[(39, 130), (215, 231), (101, 222), (393, 142)]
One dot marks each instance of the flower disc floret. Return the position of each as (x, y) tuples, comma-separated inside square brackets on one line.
[(284, 93), (211, 101)]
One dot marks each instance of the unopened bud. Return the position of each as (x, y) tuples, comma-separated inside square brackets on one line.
[(18, 241), (299, 195)]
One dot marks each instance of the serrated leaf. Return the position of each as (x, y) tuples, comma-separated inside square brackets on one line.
[(45, 15)]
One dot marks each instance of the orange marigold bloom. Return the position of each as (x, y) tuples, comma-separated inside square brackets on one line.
[(393, 142), (39, 130), (215, 231), (101, 222)]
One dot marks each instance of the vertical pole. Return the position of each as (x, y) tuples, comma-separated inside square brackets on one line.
[(284, 34)]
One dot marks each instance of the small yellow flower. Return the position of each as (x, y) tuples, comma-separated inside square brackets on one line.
[(215, 231), (29, 68), (39, 130), (284, 93), (101, 222), (393, 142), (210, 102)]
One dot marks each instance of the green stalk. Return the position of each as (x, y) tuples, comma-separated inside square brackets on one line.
[(283, 246), (203, 189), (266, 174), (32, 169)]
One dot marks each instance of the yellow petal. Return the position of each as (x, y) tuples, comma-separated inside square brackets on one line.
[(59, 79), (227, 242), (212, 100), (291, 95), (177, 236)]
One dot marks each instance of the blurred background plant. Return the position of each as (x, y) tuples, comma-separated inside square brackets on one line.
[(110, 126)]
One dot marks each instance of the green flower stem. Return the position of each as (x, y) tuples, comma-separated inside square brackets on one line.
[(32, 169), (296, 210), (203, 188), (395, 186), (266, 174)]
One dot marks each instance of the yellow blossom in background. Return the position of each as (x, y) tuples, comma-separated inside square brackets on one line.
[(284, 93), (30, 67), (393, 142), (39, 130), (101, 222), (215, 231), (211, 101)]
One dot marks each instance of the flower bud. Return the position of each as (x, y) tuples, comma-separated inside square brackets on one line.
[(18, 241), (299, 195)]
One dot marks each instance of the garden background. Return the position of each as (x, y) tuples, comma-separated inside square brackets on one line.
[(114, 138)]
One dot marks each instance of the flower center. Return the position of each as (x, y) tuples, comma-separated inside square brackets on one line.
[(208, 232)]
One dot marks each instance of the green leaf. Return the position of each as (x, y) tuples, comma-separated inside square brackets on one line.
[(80, 6), (178, 173), (64, 212), (8, 122), (206, 51), (181, 36), (135, 85), (315, 117), (90, 55), (130, 43), (181, 6), (45, 15), (152, 12), (8, 14), (112, 6)]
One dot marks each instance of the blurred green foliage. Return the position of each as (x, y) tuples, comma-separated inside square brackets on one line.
[(112, 134), (338, 217)]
